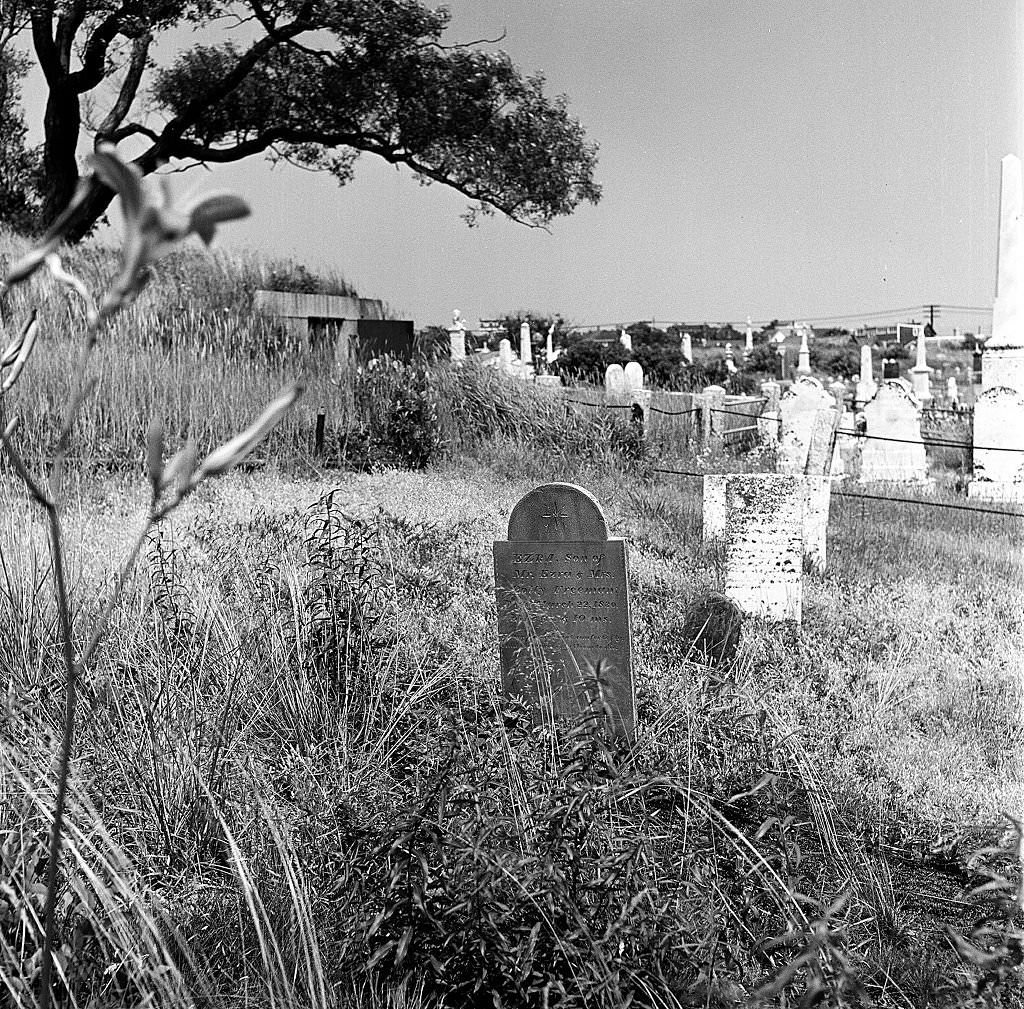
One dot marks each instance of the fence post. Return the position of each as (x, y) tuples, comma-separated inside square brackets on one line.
[(318, 439), (712, 399)]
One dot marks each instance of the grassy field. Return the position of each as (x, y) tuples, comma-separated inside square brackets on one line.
[(295, 782)]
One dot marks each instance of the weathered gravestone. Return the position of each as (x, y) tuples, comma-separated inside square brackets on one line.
[(764, 543), (817, 491), (614, 381), (633, 374), (893, 449), (999, 447), (809, 419), (563, 608)]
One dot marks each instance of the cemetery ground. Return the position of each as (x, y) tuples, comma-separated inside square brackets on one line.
[(295, 782)]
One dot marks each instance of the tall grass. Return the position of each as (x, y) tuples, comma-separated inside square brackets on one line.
[(296, 783)]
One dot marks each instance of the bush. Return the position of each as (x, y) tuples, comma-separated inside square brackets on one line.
[(586, 360)]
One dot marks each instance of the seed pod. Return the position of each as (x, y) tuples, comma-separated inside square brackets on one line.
[(27, 343)]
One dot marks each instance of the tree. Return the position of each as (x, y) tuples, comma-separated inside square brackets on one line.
[(323, 81), (19, 167)]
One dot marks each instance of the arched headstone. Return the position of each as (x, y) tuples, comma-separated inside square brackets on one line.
[(893, 449), (563, 608), (614, 380), (808, 415), (633, 374)]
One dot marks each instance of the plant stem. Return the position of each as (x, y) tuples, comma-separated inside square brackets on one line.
[(67, 738)]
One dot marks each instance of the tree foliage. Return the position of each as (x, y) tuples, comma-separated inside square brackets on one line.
[(321, 82), (19, 166)]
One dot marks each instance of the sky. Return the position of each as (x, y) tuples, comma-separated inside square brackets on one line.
[(766, 158)]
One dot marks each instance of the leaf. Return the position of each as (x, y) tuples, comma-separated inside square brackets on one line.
[(214, 208), (379, 953), (403, 946)]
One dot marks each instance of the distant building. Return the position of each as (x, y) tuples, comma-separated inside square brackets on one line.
[(896, 332)]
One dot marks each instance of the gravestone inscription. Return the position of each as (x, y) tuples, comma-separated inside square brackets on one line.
[(563, 608)]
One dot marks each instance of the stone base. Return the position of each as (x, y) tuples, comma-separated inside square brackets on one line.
[(991, 490)]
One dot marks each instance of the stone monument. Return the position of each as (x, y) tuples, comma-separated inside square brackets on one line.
[(921, 374), (525, 344), (800, 408), (687, 348), (999, 406), (563, 608), (614, 381), (803, 366), (866, 385), (893, 449), (763, 537), (457, 338), (633, 374)]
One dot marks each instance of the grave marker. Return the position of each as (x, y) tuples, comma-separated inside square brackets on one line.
[(764, 541), (563, 607), (634, 376), (893, 449), (802, 427)]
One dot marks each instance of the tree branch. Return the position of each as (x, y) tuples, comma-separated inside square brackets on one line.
[(94, 58), (44, 45), (129, 87), (67, 27)]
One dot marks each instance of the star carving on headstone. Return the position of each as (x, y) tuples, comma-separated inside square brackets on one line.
[(554, 517)]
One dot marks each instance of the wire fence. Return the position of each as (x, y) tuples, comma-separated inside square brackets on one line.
[(866, 496)]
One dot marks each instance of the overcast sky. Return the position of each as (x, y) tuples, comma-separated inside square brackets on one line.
[(771, 158)]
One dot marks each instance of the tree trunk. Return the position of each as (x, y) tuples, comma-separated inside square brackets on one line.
[(62, 125)]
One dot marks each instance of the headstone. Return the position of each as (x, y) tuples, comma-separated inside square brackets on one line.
[(626, 340), (563, 607), (803, 366), (866, 386), (921, 374), (893, 449), (999, 409), (614, 380), (998, 448), (633, 374), (846, 461), (952, 392), (748, 340), (687, 348), (783, 364), (977, 364), (817, 491), (799, 407), (505, 356), (457, 338), (890, 369), (730, 361), (549, 348), (763, 541), (525, 344)]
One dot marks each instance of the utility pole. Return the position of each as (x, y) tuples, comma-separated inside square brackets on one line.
[(931, 310)]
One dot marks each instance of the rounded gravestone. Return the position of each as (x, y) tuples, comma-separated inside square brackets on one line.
[(711, 629), (555, 512)]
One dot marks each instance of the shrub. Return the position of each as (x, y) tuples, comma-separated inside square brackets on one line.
[(587, 360)]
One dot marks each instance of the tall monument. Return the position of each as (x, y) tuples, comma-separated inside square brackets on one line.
[(999, 407)]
